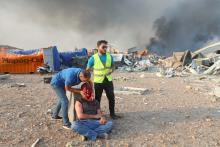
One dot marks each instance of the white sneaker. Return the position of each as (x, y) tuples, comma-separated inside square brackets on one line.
[(83, 138), (67, 127)]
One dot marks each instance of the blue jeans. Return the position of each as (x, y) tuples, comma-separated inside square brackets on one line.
[(61, 104), (91, 128)]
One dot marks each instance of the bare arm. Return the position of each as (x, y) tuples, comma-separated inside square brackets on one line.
[(99, 112), (81, 115), (68, 88)]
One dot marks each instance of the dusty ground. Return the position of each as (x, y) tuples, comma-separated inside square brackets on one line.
[(177, 111)]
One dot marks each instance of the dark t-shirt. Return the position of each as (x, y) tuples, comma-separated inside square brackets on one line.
[(89, 107)]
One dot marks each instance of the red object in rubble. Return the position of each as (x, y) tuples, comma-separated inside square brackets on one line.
[(88, 91)]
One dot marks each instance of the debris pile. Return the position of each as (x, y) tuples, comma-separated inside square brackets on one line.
[(141, 64), (44, 69), (205, 61)]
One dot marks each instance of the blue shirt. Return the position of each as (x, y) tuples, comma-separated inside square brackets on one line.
[(102, 58), (66, 77)]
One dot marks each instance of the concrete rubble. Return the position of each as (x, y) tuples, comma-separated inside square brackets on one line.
[(216, 92), (169, 72), (18, 85), (205, 61), (4, 76), (131, 91)]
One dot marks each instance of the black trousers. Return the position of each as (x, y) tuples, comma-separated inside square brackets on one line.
[(109, 90)]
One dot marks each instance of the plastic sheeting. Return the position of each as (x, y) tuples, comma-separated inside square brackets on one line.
[(117, 57), (56, 58), (67, 57), (24, 52)]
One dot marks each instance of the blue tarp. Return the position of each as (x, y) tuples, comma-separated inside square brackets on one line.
[(67, 57), (24, 52), (62, 58), (56, 58)]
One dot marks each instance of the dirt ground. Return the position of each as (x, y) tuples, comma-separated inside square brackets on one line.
[(177, 111)]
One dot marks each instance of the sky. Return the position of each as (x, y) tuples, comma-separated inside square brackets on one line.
[(78, 23), (165, 26)]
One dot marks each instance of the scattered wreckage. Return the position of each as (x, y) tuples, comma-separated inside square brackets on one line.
[(205, 61)]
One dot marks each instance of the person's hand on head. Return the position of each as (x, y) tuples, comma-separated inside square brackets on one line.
[(87, 91)]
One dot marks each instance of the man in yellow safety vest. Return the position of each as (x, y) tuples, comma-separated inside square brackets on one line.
[(103, 65)]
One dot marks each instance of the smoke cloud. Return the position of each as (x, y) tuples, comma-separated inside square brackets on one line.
[(78, 23), (162, 26), (190, 25)]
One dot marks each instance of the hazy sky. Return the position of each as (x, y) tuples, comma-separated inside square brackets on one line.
[(79, 23)]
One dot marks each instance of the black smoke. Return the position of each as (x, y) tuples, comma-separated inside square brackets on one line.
[(181, 24), (190, 25), (125, 23)]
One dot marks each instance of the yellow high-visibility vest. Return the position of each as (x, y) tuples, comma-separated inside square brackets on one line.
[(102, 70)]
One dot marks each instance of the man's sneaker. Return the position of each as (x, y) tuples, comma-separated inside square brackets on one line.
[(68, 127), (83, 138), (115, 116), (56, 118), (104, 136)]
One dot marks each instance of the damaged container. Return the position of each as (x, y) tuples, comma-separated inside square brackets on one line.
[(19, 63)]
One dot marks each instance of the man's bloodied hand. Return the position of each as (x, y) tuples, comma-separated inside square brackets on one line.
[(83, 94), (102, 121)]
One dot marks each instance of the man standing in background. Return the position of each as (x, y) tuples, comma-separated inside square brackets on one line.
[(103, 65)]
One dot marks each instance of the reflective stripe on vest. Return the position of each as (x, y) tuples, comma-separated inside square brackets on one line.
[(102, 70)]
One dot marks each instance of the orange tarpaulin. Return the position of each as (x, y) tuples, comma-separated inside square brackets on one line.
[(14, 63)]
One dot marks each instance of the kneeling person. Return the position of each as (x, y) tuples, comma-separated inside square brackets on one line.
[(90, 122)]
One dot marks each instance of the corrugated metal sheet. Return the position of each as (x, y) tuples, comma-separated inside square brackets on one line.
[(133, 50)]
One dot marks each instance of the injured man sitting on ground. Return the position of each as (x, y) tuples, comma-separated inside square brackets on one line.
[(90, 122)]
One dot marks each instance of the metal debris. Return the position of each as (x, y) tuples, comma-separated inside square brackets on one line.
[(5, 76), (18, 85), (36, 142)]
